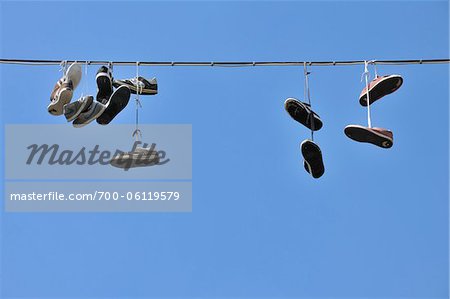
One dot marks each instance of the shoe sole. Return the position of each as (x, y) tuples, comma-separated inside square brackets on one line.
[(119, 100), (363, 134), (104, 86), (381, 89), (303, 118), (74, 74), (312, 156), (64, 97)]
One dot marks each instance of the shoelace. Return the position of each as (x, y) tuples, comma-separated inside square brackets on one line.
[(366, 75), (308, 95), (139, 85)]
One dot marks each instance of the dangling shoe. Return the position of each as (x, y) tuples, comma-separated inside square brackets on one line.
[(379, 87), (72, 110), (104, 84), (301, 112), (140, 157), (63, 91), (95, 110), (377, 136), (312, 156), (119, 99), (61, 95), (145, 87)]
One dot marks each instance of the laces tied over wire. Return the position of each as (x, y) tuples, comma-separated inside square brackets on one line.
[(63, 68), (374, 62), (366, 74), (137, 134), (307, 95), (86, 82), (110, 66)]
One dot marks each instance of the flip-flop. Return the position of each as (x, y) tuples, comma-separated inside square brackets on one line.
[(119, 99), (312, 156), (379, 87), (377, 136), (301, 112)]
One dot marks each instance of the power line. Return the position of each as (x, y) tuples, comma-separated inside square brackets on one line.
[(227, 63)]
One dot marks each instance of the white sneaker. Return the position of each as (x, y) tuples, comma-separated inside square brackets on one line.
[(63, 91)]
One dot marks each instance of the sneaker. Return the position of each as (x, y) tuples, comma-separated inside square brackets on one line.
[(61, 95), (119, 99), (95, 110), (140, 157), (72, 110), (63, 91), (312, 156), (73, 74), (104, 84), (377, 136), (379, 87), (302, 113), (145, 87)]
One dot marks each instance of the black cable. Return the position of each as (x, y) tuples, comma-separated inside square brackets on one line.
[(228, 63)]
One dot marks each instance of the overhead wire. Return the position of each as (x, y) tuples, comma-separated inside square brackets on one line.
[(228, 63)]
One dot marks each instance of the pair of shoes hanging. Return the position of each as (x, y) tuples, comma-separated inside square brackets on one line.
[(114, 101), (63, 91), (108, 102), (375, 90), (103, 108), (82, 111), (312, 155)]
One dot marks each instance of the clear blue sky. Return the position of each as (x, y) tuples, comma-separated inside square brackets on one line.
[(375, 225)]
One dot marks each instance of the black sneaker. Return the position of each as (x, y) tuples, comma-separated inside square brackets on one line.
[(119, 99), (104, 84), (377, 136), (144, 86), (312, 156), (302, 113)]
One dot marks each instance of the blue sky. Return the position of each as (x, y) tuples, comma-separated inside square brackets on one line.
[(375, 225)]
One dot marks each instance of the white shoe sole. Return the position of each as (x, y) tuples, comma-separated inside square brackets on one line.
[(64, 96), (74, 74)]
